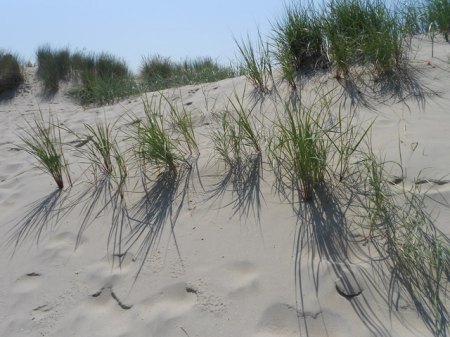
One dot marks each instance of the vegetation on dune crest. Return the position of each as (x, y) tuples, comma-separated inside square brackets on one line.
[(344, 35), (100, 79), (256, 62), (159, 72), (10, 72), (104, 79), (299, 41), (53, 67)]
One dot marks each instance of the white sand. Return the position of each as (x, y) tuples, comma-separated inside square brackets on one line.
[(213, 271)]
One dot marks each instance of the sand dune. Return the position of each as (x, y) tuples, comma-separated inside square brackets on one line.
[(222, 267)]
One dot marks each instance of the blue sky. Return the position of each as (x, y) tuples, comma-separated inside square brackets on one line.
[(135, 28)]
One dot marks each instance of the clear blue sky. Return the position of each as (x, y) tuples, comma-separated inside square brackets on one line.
[(135, 28)]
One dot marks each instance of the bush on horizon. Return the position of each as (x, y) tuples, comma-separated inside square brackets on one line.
[(102, 78), (53, 67), (158, 72), (10, 71)]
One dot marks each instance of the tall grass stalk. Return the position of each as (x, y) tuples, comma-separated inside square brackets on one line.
[(155, 146), (100, 147), (42, 139), (256, 62), (299, 150), (226, 141), (238, 137), (345, 137), (120, 169), (182, 120)]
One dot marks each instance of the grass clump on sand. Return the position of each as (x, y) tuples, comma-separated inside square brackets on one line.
[(159, 72), (256, 62), (364, 33), (299, 149), (182, 122), (313, 143), (156, 145), (238, 137), (345, 35), (100, 147), (10, 72), (299, 42), (42, 140)]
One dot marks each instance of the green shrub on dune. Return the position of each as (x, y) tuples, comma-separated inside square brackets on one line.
[(10, 72), (103, 78), (54, 66), (300, 41), (158, 72)]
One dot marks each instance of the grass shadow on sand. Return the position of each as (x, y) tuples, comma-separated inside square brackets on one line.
[(160, 205), (103, 197), (399, 86), (414, 286), (327, 239), (244, 181), (42, 215)]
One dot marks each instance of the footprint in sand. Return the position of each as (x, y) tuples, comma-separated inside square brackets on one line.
[(171, 302), (27, 283), (105, 294), (282, 320), (436, 182), (240, 277)]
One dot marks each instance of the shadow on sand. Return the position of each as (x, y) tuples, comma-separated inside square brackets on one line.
[(244, 182), (42, 215), (398, 86), (160, 205), (104, 197), (323, 237)]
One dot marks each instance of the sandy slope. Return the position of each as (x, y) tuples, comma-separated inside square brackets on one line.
[(223, 268)]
